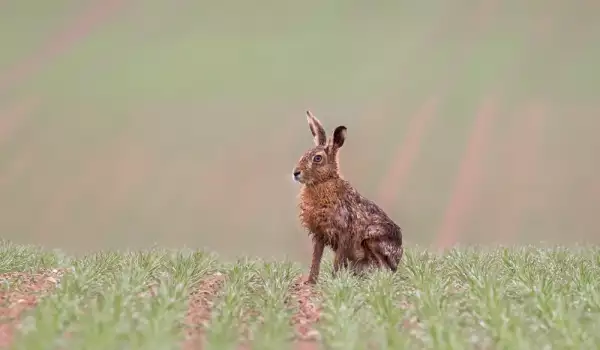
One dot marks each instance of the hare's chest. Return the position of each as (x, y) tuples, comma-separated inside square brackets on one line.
[(316, 220), (325, 222)]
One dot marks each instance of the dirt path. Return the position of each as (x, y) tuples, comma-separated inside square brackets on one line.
[(23, 294), (203, 298), (307, 313), (199, 309)]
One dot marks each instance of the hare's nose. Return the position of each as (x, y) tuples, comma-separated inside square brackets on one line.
[(296, 174)]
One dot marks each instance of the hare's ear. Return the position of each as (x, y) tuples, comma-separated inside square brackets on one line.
[(339, 136), (316, 128)]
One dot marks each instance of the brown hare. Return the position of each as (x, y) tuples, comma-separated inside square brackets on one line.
[(358, 231)]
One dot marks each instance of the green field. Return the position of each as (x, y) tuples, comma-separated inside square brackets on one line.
[(128, 125), (468, 298)]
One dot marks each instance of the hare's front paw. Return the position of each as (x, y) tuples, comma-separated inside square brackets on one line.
[(310, 280)]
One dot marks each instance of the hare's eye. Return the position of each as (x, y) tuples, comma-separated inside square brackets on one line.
[(318, 158)]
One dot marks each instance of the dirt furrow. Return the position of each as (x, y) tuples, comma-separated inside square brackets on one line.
[(303, 320), (199, 309), (307, 314), (20, 292)]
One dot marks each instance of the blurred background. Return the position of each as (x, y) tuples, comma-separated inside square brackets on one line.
[(125, 124)]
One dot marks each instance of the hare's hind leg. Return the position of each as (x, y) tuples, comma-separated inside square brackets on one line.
[(340, 260), (367, 261), (347, 253), (385, 253)]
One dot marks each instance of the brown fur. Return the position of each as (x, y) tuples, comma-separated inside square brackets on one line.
[(337, 216)]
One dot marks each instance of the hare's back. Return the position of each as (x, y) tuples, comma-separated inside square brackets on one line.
[(373, 219)]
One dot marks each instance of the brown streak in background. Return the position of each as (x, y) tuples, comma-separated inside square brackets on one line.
[(245, 184), (447, 233), (522, 158), (124, 168), (58, 207), (370, 125), (93, 169), (249, 193), (485, 13), (595, 110), (129, 169), (506, 217), (469, 177), (10, 122), (14, 117), (83, 25), (522, 168), (248, 164), (396, 177), (179, 199), (386, 196), (16, 168)]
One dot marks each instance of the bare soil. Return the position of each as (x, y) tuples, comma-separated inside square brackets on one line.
[(20, 293), (200, 306), (203, 297), (308, 312)]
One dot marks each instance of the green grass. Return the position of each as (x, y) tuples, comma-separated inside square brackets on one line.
[(500, 298)]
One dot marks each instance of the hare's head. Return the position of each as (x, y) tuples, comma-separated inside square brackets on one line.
[(320, 163)]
